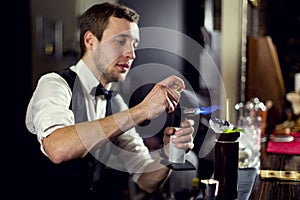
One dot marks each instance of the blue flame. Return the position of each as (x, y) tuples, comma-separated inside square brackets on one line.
[(201, 110), (207, 110)]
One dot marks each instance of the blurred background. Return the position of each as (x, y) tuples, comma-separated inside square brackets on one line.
[(42, 35)]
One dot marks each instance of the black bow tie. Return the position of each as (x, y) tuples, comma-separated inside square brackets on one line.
[(100, 90)]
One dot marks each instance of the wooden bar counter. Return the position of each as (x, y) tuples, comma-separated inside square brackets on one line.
[(273, 188)]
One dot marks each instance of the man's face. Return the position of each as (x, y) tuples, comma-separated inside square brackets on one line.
[(115, 53)]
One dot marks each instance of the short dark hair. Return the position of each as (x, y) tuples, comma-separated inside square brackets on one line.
[(96, 18)]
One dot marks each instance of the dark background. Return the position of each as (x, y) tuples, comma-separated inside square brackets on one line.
[(20, 149), (281, 20)]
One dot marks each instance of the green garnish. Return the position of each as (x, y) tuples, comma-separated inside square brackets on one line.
[(233, 130)]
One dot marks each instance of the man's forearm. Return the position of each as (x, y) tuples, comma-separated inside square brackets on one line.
[(77, 140)]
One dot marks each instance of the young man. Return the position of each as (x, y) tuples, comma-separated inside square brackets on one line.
[(70, 119)]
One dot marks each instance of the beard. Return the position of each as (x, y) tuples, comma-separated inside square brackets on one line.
[(110, 77), (105, 66), (110, 74)]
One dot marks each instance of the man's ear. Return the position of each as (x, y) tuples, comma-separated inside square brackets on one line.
[(88, 40)]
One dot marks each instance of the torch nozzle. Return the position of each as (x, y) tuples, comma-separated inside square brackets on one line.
[(191, 111)]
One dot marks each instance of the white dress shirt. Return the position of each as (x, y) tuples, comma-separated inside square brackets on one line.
[(48, 110)]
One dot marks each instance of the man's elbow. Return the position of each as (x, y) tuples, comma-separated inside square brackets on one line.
[(54, 153), (55, 156)]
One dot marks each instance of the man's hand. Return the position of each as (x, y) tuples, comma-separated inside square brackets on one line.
[(164, 96), (184, 139)]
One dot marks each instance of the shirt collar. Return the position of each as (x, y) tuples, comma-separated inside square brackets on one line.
[(88, 79)]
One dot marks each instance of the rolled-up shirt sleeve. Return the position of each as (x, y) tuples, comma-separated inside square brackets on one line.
[(48, 108)]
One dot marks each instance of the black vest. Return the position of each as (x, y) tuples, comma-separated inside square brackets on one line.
[(75, 178)]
